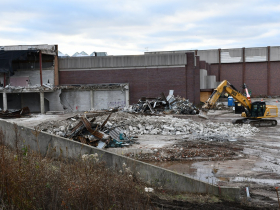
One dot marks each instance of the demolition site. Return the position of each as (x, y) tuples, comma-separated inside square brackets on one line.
[(203, 119)]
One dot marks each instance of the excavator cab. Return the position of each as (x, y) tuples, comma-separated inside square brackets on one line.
[(258, 109)]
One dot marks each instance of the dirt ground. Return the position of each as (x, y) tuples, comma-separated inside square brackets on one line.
[(252, 161)]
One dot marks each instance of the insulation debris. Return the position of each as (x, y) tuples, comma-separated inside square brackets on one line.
[(165, 105)]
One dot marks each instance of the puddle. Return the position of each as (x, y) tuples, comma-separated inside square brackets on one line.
[(270, 182), (212, 174), (186, 168)]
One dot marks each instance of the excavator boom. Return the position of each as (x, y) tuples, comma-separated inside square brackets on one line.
[(226, 87), (255, 113)]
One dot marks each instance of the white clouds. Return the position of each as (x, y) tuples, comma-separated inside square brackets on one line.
[(129, 26)]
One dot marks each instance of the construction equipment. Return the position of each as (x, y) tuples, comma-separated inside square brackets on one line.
[(255, 112)]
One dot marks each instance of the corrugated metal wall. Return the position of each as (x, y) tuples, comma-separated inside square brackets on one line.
[(175, 59), (231, 55), (256, 54)]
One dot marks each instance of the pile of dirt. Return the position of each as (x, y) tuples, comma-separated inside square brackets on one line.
[(186, 151)]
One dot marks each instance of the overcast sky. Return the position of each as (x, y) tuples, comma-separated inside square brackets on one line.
[(123, 27)]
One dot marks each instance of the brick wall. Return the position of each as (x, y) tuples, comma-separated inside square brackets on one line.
[(275, 78), (233, 73), (148, 82), (255, 76)]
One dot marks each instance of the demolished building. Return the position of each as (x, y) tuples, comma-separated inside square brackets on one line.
[(29, 77), (35, 76)]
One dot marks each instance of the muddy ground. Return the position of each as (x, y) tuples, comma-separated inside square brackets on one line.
[(251, 161)]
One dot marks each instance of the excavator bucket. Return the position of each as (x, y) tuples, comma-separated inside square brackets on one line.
[(203, 114)]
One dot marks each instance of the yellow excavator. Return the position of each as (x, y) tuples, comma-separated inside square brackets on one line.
[(255, 112)]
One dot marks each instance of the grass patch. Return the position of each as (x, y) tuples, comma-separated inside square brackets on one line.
[(29, 181)]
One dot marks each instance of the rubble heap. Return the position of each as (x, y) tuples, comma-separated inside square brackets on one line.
[(184, 128), (121, 129), (166, 105), (49, 86), (87, 131)]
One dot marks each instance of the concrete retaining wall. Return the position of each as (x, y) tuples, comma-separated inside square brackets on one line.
[(62, 147)]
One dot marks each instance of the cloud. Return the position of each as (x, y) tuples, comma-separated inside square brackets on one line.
[(131, 26)]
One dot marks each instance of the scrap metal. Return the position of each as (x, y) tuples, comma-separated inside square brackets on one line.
[(99, 136), (14, 114), (162, 104)]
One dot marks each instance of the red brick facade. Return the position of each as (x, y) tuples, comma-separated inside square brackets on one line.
[(261, 78), (148, 82), (255, 76)]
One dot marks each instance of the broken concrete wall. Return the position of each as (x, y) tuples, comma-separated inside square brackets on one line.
[(80, 100), (54, 101), (109, 99), (75, 100), (34, 75)]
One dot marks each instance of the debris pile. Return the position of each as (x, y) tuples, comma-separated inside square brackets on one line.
[(165, 105), (86, 131), (121, 129), (183, 128), (49, 86)]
